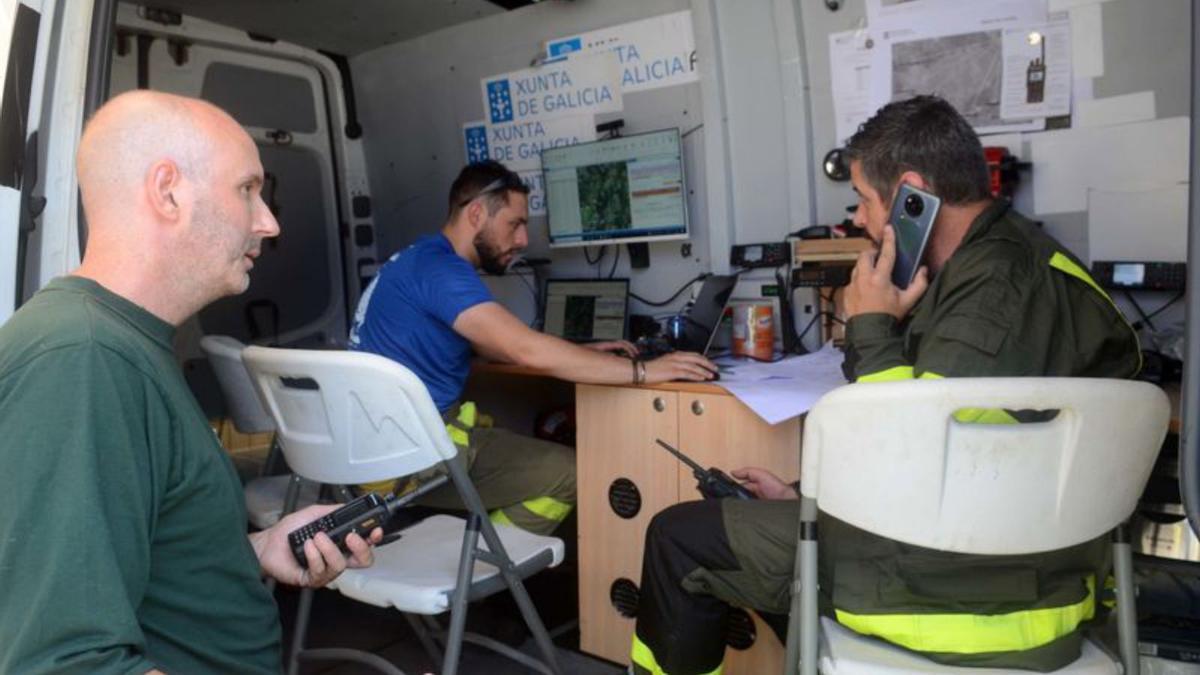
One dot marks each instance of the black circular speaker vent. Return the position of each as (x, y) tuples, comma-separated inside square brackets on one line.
[(739, 630), (624, 498), (625, 595)]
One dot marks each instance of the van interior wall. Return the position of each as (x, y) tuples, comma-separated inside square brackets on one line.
[(1146, 48), (416, 95)]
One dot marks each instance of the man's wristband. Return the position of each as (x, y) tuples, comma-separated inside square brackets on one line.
[(641, 367), (634, 364)]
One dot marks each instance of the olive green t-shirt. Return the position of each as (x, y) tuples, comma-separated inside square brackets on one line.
[(122, 524)]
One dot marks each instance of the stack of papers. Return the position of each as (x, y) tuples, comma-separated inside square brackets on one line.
[(784, 389)]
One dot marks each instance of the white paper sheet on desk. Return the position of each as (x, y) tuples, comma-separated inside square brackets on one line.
[(782, 390)]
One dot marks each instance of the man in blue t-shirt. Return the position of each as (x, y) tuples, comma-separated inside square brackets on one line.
[(429, 310)]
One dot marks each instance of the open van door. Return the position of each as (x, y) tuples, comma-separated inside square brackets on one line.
[(23, 26), (291, 101), (45, 47)]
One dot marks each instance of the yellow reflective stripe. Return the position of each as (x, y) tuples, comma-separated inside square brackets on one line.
[(975, 633), (641, 655), (548, 508), (984, 416), (1064, 264), (889, 375), (498, 517), (930, 375), (467, 414), (458, 436)]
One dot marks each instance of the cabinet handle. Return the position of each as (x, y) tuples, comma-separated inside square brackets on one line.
[(659, 404), (697, 408)]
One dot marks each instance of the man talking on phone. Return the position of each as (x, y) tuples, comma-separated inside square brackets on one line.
[(995, 296)]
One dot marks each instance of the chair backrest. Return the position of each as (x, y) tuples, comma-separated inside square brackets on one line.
[(890, 458), (225, 355), (348, 417)]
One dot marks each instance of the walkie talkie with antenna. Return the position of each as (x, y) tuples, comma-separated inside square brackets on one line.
[(712, 483), (361, 515)]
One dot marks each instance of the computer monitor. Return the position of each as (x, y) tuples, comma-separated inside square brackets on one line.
[(616, 190), (586, 310)]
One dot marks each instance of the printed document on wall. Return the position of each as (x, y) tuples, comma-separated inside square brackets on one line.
[(655, 52), (850, 77), (589, 84), (1037, 71), (952, 49)]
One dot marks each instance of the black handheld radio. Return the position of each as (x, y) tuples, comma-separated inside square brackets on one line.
[(361, 515), (712, 483)]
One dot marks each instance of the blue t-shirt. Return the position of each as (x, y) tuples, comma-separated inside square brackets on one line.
[(407, 314)]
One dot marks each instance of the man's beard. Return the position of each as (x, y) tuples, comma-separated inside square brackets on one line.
[(489, 256)]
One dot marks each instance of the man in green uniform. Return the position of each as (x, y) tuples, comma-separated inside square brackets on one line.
[(122, 519), (998, 297)]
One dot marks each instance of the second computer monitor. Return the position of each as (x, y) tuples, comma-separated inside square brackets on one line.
[(624, 189), (587, 310)]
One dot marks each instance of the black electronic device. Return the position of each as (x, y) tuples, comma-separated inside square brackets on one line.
[(712, 483), (1149, 276), (361, 515), (822, 275), (912, 216), (773, 254)]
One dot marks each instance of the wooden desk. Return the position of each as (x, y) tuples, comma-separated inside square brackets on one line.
[(616, 431)]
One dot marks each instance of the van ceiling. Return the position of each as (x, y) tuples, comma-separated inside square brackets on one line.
[(346, 27)]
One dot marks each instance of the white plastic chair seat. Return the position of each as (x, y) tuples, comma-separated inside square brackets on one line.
[(845, 652), (265, 496), (418, 572)]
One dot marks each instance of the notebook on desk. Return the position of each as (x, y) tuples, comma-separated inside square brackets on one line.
[(586, 310)]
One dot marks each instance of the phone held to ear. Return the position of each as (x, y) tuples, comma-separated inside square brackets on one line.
[(913, 213)]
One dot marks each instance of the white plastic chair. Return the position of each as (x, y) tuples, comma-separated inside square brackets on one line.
[(267, 497), (890, 458), (351, 418)]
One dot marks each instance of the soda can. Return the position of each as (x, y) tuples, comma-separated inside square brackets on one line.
[(753, 330)]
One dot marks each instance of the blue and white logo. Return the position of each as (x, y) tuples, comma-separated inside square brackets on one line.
[(500, 107), (560, 49), (477, 144)]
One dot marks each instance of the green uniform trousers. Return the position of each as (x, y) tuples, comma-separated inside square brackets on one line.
[(523, 481)]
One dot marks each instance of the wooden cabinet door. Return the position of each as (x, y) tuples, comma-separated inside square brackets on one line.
[(616, 429), (719, 431)]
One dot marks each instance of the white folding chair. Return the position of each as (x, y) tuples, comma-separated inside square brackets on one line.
[(891, 459), (351, 418), (267, 497)]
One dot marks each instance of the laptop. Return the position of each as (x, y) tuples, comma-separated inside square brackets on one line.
[(700, 326), (586, 310)]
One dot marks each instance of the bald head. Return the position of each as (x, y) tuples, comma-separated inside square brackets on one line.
[(135, 130)]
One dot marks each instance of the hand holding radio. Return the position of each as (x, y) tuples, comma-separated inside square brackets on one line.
[(325, 560), (763, 483), (872, 289)]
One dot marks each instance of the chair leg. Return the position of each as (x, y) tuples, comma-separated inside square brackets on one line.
[(424, 638), (810, 627), (496, 550), (1126, 599), (458, 602), (528, 612), (300, 631)]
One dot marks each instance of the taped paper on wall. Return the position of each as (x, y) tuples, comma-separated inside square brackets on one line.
[(588, 84), (655, 52), (1148, 225), (519, 144), (850, 80), (1037, 71), (1103, 112), (1141, 156)]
